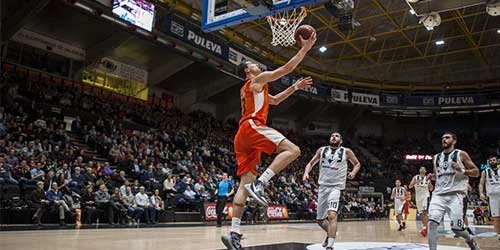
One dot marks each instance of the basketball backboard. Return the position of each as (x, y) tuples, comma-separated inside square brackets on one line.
[(244, 11)]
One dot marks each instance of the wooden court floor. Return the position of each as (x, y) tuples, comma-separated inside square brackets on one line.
[(209, 237)]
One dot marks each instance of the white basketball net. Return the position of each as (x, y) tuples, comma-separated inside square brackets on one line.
[(283, 26)]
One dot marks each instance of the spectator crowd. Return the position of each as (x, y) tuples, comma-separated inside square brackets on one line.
[(127, 162)]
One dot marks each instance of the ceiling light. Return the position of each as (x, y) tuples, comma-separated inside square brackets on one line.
[(440, 42), (498, 31), (322, 49), (431, 20), (412, 12)]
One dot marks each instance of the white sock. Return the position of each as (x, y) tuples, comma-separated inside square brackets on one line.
[(266, 176), (330, 242), (235, 225)]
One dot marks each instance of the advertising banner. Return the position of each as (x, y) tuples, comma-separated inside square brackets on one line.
[(40, 41), (235, 57), (123, 70), (448, 101), (365, 99), (273, 212), (313, 89), (194, 36), (417, 157), (277, 212), (338, 95), (211, 214), (390, 100)]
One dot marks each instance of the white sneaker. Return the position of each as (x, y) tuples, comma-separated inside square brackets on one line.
[(256, 190), (232, 240)]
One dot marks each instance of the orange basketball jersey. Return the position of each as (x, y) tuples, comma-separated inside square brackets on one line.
[(254, 105)]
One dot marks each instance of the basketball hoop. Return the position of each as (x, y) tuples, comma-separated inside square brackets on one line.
[(283, 26)]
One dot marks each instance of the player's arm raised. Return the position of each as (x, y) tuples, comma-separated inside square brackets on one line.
[(287, 68), (299, 84), (355, 163), (481, 186), (471, 169), (311, 164)]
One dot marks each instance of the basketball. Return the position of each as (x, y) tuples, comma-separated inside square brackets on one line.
[(305, 31)]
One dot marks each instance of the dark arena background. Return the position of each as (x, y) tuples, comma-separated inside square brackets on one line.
[(105, 104)]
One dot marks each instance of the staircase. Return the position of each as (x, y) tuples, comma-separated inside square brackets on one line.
[(369, 155), (80, 143)]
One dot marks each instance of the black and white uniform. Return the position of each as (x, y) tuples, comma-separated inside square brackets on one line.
[(450, 190), (332, 179), (422, 193), (493, 190), (399, 199)]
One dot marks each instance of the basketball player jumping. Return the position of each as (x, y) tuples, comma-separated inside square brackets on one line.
[(491, 177), (254, 137), (452, 169), (421, 184), (332, 180), (399, 196)]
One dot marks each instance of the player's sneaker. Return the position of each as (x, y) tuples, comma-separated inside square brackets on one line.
[(400, 228), (325, 243), (473, 244), (232, 240), (256, 190), (329, 248), (423, 232)]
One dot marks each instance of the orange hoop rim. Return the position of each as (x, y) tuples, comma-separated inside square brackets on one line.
[(303, 11)]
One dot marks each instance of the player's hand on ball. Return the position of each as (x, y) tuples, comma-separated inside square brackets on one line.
[(305, 178), (303, 82), (309, 43)]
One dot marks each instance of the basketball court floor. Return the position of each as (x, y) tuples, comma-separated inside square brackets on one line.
[(293, 236)]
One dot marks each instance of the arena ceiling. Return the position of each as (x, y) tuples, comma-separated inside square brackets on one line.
[(391, 46)]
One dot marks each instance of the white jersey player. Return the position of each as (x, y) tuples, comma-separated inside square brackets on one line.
[(491, 177), (398, 195), (422, 184), (332, 180), (452, 169)]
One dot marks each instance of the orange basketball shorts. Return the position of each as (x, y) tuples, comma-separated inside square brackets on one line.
[(253, 138)]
